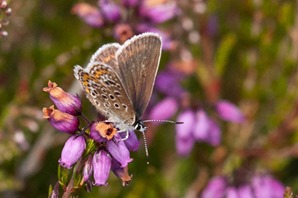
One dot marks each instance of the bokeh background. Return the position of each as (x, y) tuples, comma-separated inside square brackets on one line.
[(244, 52)]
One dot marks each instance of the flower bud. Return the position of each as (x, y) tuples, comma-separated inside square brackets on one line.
[(101, 132), (72, 151), (64, 101), (101, 167), (119, 151), (62, 121), (229, 112)]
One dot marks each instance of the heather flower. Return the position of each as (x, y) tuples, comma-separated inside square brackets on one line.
[(197, 126), (184, 137), (132, 143), (142, 14), (64, 101), (110, 10), (202, 125), (258, 186), (64, 122), (72, 151), (90, 14), (164, 110), (166, 79), (229, 112), (119, 151), (215, 188), (121, 172), (101, 132), (266, 186), (159, 13), (101, 167)]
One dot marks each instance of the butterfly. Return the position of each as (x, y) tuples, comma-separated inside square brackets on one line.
[(119, 79)]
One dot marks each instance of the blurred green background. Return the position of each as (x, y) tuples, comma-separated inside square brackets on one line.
[(250, 59)]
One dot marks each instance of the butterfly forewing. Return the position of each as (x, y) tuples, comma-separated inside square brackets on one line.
[(105, 91), (106, 54), (138, 60)]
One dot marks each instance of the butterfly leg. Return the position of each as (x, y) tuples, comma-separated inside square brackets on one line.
[(126, 135)]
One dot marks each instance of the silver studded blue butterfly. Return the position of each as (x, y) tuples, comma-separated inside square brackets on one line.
[(119, 79)]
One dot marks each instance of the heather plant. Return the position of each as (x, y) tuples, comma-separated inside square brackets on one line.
[(228, 71)]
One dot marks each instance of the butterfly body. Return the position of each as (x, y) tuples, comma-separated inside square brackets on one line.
[(119, 79)]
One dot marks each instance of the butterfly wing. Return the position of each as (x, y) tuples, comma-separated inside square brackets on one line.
[(105, 54), (138, 60), (104, 89)]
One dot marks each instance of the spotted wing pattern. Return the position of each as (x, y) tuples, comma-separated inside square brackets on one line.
[(105, 91)]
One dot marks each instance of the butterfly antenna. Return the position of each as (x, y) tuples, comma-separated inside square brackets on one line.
[(146, 147), (168, 121)]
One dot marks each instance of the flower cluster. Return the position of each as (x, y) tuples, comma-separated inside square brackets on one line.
[(97, 146), (129, 17), (198, 126), (259, 186), (5, 11)]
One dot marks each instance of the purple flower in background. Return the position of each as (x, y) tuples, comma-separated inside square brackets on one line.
[(101, 167), (259, 186), (169, 78), (159, 13), (110, 10), (215, 188), (184, 136), (146, 17), (164, 110), (197, 126), (229, 112), (90, 14), (72, 151)]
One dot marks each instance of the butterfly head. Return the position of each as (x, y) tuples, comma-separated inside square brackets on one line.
[(140, 126)]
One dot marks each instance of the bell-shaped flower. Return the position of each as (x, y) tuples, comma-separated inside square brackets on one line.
[(72, 151), (201, 126), (101, 167), (119, 151), (184, 136), (121, 172), (267, 186), (64, 101), (101, 132), (62, 121), (159, 13), (90, 14), (229, 112), (132, 142), (110, 10), (164, 110), (216, 188)]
